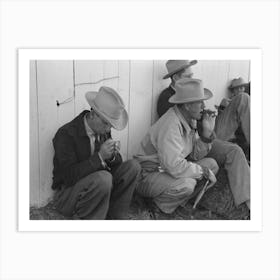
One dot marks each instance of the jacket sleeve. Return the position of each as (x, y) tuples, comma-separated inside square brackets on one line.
[(116, 161), (201, 148), (70, 168), (170, 151), (162, 104)]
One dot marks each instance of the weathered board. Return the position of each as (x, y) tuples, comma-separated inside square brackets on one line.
[(34, 172), (55, 83)]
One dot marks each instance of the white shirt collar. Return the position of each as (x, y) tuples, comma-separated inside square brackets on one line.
[(89, 131)]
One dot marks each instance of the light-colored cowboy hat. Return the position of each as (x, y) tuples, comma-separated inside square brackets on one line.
[(239, 82), (109, 105), (189, 90), (174, 66)]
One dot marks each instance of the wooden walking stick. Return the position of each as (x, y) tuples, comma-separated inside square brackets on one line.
[(202, 192)]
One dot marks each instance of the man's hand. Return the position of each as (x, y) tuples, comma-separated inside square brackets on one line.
[(225, 102), (117, 147), (107, 149), (208, 125), (212, 178)]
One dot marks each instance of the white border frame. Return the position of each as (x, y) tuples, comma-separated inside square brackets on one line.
[(24, 57)]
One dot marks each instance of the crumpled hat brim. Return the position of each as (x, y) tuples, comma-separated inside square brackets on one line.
[(241, 85), (193, 62), (118, 124), (207, 95)]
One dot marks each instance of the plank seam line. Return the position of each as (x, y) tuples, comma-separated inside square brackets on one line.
[(38, 126)]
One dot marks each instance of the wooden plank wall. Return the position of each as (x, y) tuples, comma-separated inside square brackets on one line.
[(139, 83), (34, 171)]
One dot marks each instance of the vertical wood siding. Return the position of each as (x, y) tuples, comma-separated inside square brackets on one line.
[(34, 171), (140, 102), (55, 82), (138, 82)]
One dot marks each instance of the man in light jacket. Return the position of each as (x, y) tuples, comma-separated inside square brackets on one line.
[(231, 118), (174, 157), (234, 112)]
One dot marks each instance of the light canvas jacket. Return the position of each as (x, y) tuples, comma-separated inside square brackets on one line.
[(167, 145)]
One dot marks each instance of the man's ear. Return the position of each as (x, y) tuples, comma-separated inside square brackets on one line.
[(91, 115), (175, 77), (186, 106)]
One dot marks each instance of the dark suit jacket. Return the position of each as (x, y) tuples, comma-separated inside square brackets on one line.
[(163, 105), (72, 159)]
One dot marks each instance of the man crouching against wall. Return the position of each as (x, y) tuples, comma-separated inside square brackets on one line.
[(91, 180), (174, 157)]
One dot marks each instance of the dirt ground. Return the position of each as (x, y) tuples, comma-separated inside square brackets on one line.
[(216, 204)]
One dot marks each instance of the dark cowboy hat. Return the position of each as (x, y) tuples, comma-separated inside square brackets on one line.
[(239, 82), (174, 66)]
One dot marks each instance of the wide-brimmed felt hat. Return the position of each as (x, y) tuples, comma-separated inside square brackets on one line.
[(108, 104), (174, 66), (189, 90), (239, 82)]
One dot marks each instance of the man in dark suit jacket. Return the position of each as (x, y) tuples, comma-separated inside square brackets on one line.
[(177, 69), (89, 176)]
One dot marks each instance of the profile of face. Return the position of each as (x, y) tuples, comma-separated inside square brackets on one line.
[(195, 109), (185, 73), (99, 124)]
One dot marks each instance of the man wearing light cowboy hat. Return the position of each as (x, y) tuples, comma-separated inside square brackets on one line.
[(91, 180), (234, 112), (177, 69), (174, 157)]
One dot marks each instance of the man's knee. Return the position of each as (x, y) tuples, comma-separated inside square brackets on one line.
[(213, 165), (132, 167), (103, 180), (210, 163), (242, 98), (236, 151), (190, 184)]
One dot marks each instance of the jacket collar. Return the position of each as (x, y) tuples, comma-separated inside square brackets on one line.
[(78, 126), (183, 121), (88, 130), (80, 123), (172, 87)]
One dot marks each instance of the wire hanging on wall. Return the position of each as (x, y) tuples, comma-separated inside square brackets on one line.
[(94, 83), (69, 99), (65, 101)]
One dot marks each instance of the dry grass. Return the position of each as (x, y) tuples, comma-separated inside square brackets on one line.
[(217, 204)]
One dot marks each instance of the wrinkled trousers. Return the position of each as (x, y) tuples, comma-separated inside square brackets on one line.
[(236, 114), (101, 194), (232, 158), (168, 192)]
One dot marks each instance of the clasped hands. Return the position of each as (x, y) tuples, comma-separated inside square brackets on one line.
[(109, 148)]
